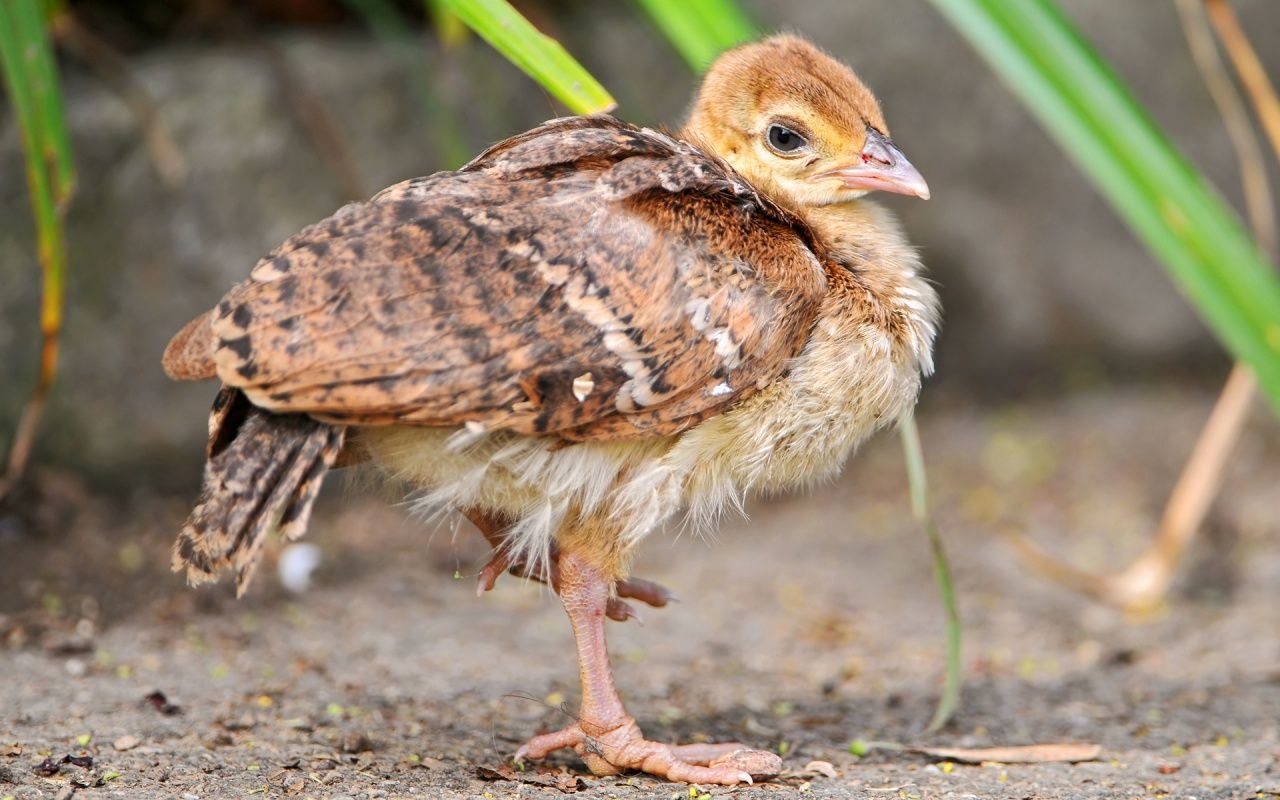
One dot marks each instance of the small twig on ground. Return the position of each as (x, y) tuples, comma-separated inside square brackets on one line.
[(24, 435), (1146, 580), (1058, 752)]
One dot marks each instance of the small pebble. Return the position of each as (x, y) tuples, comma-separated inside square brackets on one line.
[(823, 768), (296, 564), (126, 742), (353, 742)]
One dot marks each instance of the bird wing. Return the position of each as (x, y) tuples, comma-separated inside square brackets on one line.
[(587, 279)]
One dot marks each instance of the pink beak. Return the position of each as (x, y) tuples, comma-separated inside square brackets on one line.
[(882, 168)]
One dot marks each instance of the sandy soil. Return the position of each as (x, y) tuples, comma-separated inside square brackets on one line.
[(811, 625)]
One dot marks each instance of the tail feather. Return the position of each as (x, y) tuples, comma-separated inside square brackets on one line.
[(264, 471), (189, 354)]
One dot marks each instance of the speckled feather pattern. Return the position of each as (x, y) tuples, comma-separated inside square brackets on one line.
[(264, 471), (588, 328), (585, 248), (859, 370)]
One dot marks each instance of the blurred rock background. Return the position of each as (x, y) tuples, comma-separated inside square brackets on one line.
[(1044, 289)]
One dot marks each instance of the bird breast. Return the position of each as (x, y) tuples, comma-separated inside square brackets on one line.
[(859, 371)]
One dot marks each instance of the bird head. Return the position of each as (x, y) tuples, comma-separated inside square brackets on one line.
[(799, 125)]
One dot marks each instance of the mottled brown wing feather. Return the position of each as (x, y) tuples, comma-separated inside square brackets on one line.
[(586, 279)]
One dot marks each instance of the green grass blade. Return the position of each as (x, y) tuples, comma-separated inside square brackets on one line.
[(30, 80), (919, 489), (701, 30), (33, 87), (541, 57), (1093, 117), (31, 63), (29, 76), (42, 75)]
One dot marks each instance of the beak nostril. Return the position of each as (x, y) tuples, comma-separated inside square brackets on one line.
[(880, 166)]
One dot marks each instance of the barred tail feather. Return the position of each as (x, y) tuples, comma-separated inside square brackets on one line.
[(264, 471)]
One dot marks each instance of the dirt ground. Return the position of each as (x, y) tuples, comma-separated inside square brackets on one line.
[(813, 624)]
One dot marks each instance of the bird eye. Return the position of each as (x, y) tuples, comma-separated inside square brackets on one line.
[(784, 140)]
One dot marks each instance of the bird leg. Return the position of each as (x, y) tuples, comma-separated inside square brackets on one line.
[(605, 735), (494, 531)]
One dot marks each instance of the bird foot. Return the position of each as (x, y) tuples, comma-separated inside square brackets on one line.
[(616, 608), (608, 752)]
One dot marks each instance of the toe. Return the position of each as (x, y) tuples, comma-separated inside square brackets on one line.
[(727, 764), (544, 744), (704, 753), (608, 752), (759, 764), (620, 611), (692, 773), (647, 592), (490, 573)]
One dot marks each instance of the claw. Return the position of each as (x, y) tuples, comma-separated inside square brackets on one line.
[(646, 591), (490, 573), (621, 611)]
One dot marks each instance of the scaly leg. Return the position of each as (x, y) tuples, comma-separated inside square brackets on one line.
[(493, 528), (605, 736)]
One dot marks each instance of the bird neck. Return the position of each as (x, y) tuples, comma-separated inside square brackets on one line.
[(866, 239)]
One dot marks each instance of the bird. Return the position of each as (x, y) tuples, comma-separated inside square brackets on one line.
[(591, 330)]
